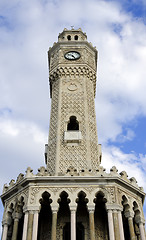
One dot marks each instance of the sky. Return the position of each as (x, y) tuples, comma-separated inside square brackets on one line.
[(27, 30)]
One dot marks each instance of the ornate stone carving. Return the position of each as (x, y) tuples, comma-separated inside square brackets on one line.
[(34, 191), (42, 171), (20, 177), (114, 171)]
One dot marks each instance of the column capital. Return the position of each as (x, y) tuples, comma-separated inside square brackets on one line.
[(139, 219), (5, 222), (73, 208), (91, 208), (31, 209), (54, 209), (129, 214), (16, 216)]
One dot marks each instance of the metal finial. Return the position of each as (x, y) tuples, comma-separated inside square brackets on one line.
[(72, 27)]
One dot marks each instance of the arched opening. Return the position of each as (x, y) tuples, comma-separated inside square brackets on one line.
[(69, 37), (82, 217), (136, 215), (66, 231), (45, 218), (19, 207), (73, 124), (63, 219), (80, 231), (100, 216), (11, 223), (125, 220), (76, 37)]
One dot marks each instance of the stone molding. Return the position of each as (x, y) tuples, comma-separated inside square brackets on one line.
[(98, 173), (73, 72)]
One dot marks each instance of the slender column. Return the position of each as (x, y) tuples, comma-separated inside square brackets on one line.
[(131, 228), (30, 226), (73, 224), (54, 224), (121, 230), (35, 225), (5, 231), (25, 226), (116, 225), (15, 228), (142, 231), (91, 224), (110, 225)]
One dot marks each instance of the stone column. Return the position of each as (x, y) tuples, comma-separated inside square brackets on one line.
[(110, 225), (35, 225), (30, 225), (142, 231), (130, 216), (116, 224), (15, 228), (54, 224), (25, 226), (73, 224), (5, 231), (91, 224), (121, 230)]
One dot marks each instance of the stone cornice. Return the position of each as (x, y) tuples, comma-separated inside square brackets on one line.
[(98, 181), (73, 71)]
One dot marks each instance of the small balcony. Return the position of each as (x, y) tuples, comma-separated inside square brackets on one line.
[(72, 136)]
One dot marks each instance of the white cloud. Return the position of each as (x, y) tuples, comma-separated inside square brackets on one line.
[(113, 156)]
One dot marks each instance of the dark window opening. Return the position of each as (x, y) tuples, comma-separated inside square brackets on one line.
[(79, 232), (73, 124), (76, 37), (66, 232), (69, 37)]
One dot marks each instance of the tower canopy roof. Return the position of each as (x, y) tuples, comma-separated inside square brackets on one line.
[(72, 35)]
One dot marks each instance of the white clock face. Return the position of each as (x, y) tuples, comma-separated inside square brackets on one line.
[(72, 55)]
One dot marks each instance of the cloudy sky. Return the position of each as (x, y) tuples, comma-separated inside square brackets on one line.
[(27, 30)]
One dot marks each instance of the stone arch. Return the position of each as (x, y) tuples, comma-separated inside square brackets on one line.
[(73, 124), (78, 119), (137, 216), (136, 209), (63, 216), (45, 216), (100, 215), (82, 216), (9, 218), (19, 209), (84, 193), (126, 208), (23, 197), (104, 193), (62, 190), (125, 202), (38, 195)]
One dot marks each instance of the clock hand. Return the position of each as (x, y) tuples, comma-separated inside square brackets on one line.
[(73, 56)]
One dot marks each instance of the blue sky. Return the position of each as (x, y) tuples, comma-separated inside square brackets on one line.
[(27, 30)]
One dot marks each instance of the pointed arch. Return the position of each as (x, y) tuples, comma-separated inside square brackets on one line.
[(45, 216), (100, 215)]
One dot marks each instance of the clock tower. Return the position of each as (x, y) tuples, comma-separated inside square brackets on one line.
[(73, 135), (73, 197)]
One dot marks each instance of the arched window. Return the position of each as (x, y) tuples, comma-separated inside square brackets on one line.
[(76, 37), (73, 124), (69, 37)]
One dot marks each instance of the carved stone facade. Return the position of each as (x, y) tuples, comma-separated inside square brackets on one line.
[(73, 197), (73, 84)]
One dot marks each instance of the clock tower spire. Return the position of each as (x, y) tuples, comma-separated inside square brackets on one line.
[(73, 135)]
